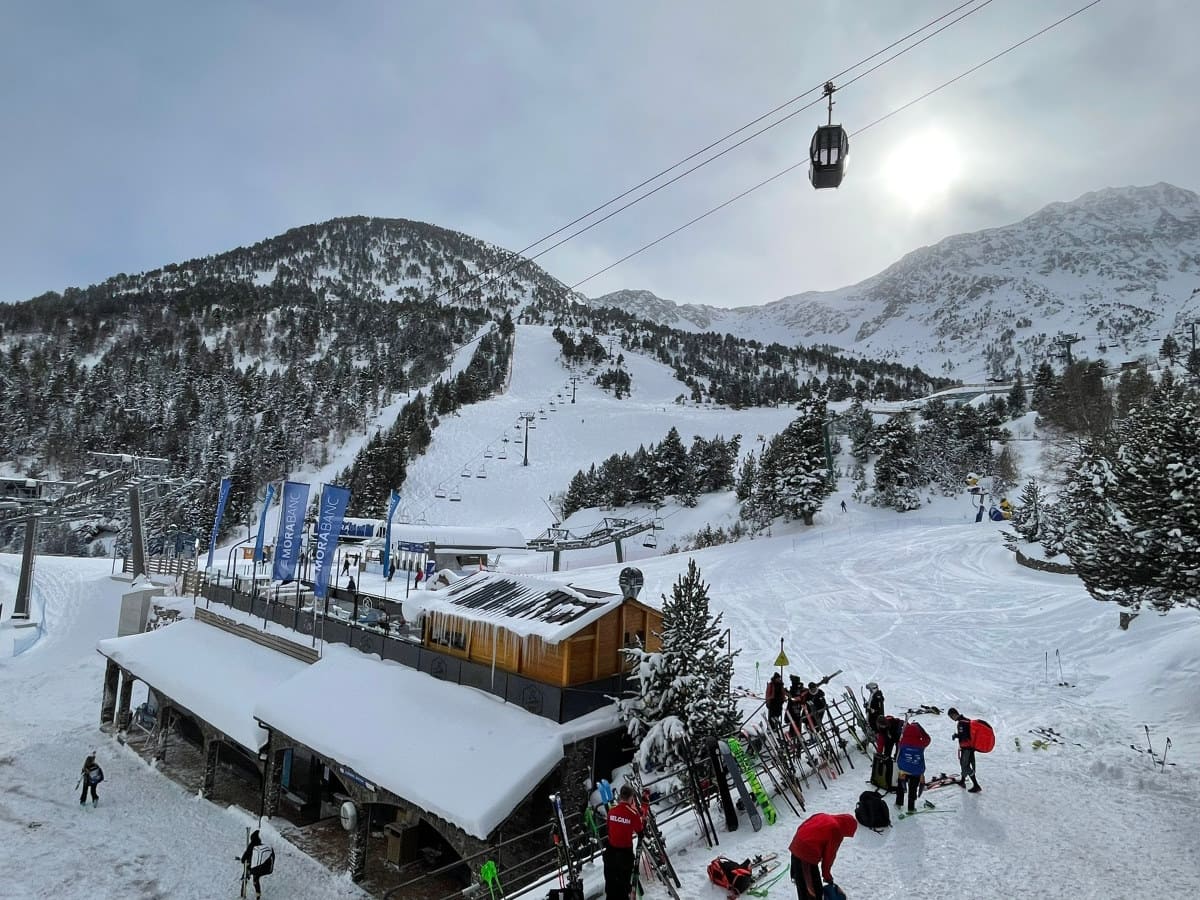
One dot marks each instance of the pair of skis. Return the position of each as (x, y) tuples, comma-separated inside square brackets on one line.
[(562, 841), (778, 766), (760, 867), (695, 787)]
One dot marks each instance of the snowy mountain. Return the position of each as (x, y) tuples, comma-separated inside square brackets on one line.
[(364, 258), (1116, 267)]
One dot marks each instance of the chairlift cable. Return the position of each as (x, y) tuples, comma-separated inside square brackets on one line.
[(805, 162)]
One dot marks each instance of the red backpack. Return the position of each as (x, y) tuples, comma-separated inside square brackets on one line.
[(733, 876), (983, 738)]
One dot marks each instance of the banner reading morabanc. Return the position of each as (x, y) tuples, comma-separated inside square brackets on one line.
[(221, 498), (334, 501), (393, 502), (293, 502), (262, 523)]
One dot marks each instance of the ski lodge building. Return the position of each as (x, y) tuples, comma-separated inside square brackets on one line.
[(448, 732)]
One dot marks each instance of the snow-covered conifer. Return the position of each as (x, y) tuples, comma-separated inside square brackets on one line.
[(683, 689)]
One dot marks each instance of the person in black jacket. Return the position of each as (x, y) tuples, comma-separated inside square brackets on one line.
[(966, 751), (874, 704), (776, 695), (888, 730), (246, 859), (90, 776)]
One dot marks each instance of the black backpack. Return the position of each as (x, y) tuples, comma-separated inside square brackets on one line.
[(872, 811)]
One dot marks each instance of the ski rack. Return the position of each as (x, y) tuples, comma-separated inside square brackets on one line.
[(650, 844)]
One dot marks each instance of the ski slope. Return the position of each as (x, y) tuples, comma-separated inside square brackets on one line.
[(929, 604)]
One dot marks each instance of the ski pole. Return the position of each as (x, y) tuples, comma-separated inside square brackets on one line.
[(1148, 744), (1166, 749)]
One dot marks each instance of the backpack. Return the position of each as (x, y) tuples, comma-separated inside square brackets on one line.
[(733, 876), (262, 860), (882, 772), (872, 811), (983, 738), (95, 775)]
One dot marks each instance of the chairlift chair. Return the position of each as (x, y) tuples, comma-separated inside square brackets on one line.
[(455, 496), (650, 540), (466, 473), (503, 452), (440, 492), (828, 151), (482, 473), (488, 453)]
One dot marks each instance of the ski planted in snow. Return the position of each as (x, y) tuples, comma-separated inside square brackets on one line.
[(568, 854), (739, 781), (711, 747)]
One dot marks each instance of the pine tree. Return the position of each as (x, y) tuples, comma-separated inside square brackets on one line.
[(1017, 401), (896, 466), (1043, 384), (860, 427), (671, 472), (801, 466), (683, 689), (1027, 515), (1169, 350)]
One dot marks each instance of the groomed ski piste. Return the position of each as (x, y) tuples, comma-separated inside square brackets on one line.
[(929, 604)]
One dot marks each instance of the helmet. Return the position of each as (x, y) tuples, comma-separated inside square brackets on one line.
[(872, 686)]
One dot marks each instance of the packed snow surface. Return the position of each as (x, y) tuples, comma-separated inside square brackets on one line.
[(929, 604)]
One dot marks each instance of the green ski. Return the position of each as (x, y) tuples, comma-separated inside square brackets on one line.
[(756, 788)]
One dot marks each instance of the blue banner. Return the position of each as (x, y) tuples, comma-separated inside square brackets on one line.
[(334, 501), (221, 498), (292, 504), (262, 523), (393, 502)]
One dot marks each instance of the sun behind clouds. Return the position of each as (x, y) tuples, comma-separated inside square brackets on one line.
[(922, 168)]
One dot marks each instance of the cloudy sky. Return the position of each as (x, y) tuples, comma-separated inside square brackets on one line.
[(141, 133)]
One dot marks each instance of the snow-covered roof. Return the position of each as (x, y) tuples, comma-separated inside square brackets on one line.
[(453, 751), (528, 607), (217, 675)]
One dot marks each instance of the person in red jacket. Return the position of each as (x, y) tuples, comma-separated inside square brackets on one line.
[(814, 848), (910, 763), (624, 824)]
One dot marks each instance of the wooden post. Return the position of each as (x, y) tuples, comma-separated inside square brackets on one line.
[(108, 705)]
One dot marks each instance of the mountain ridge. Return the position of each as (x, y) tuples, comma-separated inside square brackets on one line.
[(1109, 265)]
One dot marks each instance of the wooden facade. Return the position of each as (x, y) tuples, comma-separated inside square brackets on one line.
[(590, 654)]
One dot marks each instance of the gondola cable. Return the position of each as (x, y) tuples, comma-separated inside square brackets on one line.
[(805, 162), (519, 256)]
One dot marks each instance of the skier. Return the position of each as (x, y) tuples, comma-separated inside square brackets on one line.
[(346, 567), (420, 576), (874, 704), (391, 569), (966, 752), (817, 704), (776, 694), (250, 868), (624, 824), (911, 764), (797, 703), (814, 848), (90, 776), (351, 586), (843, 506)]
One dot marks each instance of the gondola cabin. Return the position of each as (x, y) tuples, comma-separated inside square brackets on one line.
[(827, 156)]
